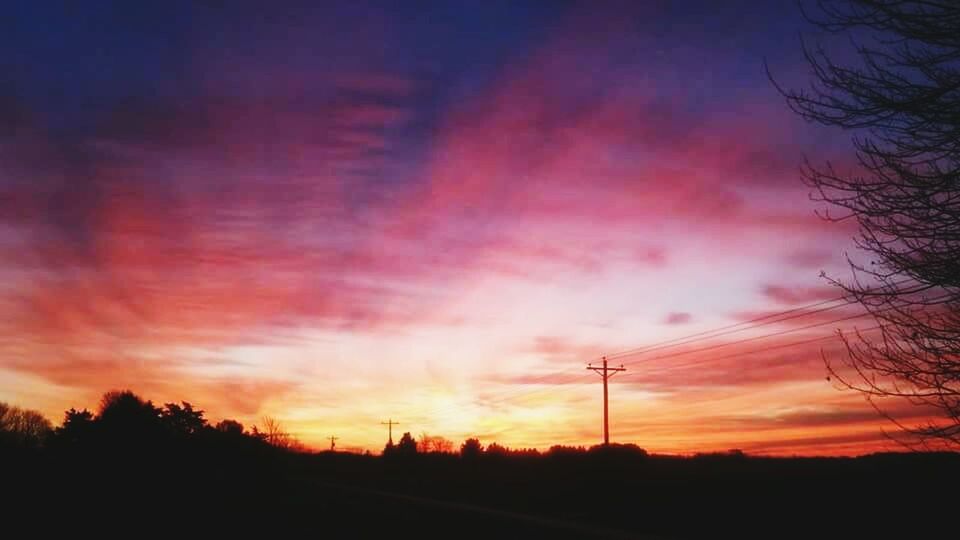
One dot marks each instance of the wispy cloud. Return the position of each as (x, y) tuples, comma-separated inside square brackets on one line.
[(321, 196), (677, 317)]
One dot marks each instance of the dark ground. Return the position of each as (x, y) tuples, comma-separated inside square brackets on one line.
[(259, 490)]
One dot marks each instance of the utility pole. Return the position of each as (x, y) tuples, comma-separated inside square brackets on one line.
[(333, 443), (606, 373), (390, 423)]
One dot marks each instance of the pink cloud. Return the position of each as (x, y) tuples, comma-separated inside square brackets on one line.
[(811, 258), (677, 317), (652, 256), (823, 315), (794, 295), (562, 350)]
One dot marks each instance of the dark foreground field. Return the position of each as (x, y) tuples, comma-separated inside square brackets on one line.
[(587, 495)]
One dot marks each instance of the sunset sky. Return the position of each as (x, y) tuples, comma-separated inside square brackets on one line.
[(436, 212)]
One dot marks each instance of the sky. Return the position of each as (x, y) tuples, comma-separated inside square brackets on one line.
[(435, 212)]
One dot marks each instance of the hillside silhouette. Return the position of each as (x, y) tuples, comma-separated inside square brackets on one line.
[(132, 463)]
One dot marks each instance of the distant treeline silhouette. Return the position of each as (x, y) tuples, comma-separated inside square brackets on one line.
[(168, 466), (127, 422)]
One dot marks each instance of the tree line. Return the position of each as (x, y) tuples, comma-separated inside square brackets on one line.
[(127, 421), (124, 419)]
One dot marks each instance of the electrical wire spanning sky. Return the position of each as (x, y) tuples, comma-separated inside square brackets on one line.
[(337, 213)]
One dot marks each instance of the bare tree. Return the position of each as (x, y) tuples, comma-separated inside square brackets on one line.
[(901, 98), (434, 444), (23, 426), (6, 417), (274, 434)]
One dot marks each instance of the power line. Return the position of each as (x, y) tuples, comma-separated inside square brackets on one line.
[(548, 376), (696, 362), (773, 318), (508, 397), (708, 333), (708, 360), (545, 377), (773, 334), (800, 311), (717, 333), (747, 340), (760, 350)]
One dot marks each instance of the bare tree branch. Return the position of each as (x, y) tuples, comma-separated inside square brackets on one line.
[(902, 101)]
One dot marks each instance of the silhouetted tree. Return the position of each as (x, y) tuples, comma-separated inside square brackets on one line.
[(230, 427), (123, 406), (275, 435), (78, 426), (494, 449), (902, 98), (471, 448), (406, 446), (125, 418), (183, 419)]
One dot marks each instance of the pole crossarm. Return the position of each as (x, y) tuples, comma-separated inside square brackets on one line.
[(606, 372), (390, 423)]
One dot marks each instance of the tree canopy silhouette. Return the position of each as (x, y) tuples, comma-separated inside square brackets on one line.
[(407, 446), (901, 97), (183, 419), (77, 428), (471, 448), (230, 427), (126, 419)]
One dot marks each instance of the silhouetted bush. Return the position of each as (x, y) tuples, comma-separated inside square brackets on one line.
[(471, 449)]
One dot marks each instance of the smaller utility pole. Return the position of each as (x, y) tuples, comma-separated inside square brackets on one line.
[(390, 423), (606, 373), (333, 443)]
